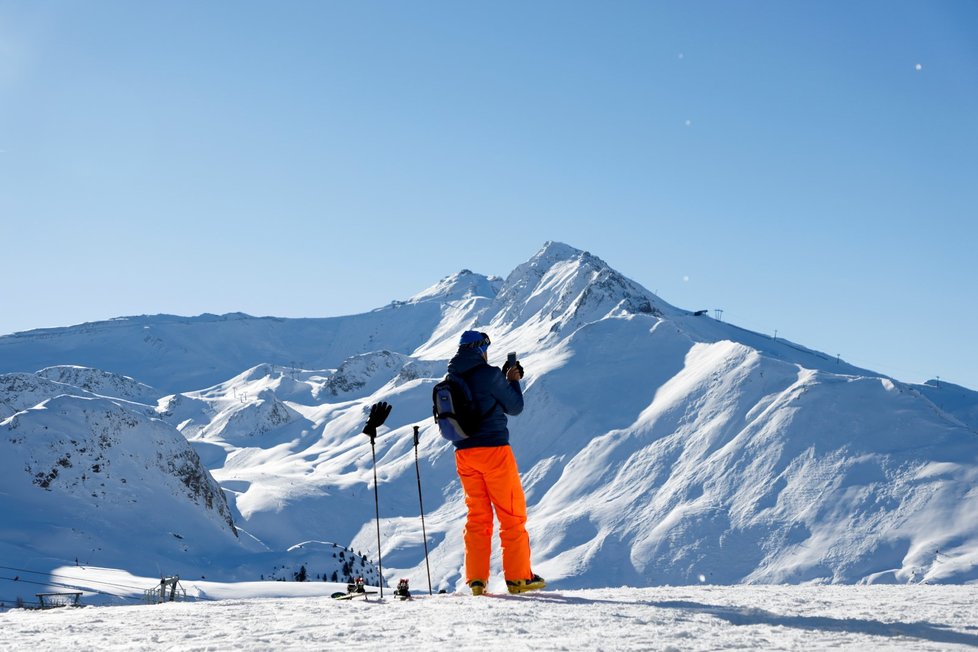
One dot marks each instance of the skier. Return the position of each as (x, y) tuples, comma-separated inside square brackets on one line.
[(487, 469)]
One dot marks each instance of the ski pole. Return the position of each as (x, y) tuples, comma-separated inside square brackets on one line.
[(424, 533), (378, 414), (380, 563)]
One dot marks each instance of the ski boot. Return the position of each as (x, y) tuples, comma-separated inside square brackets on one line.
[(535, 583), (403, 591)]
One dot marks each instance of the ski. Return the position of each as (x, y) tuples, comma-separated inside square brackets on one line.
[(353, 589), (350, 596)]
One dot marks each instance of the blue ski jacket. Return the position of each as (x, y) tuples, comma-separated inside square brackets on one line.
[(493, 395)]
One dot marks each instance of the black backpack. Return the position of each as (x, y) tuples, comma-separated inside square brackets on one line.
[(454, 408)]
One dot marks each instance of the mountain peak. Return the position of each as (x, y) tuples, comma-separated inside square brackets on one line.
[(553, 253), (561, 287), (557, 251), (461, 285)]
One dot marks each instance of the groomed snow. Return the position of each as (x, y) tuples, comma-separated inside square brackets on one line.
[(917, 617)]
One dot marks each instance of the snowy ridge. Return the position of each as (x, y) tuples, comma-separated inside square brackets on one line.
[(952, 399), (561, 288), (178, 354), (460, 286), (22, 391), (658, 446), (102, 383)]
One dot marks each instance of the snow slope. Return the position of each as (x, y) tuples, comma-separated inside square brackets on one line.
[(657, 447), (667, 618), (93, 477)]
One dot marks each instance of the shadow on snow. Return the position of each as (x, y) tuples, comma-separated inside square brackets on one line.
[(749, 616)]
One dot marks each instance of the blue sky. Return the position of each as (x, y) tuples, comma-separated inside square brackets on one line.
[(808, 167)]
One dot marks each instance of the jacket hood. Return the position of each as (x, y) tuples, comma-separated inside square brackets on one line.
[(465, 360)]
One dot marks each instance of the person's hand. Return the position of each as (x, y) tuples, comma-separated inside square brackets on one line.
[(378, 415), (515, 372), (508, 365)]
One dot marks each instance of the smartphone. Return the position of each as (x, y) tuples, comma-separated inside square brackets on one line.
[(511, 358)]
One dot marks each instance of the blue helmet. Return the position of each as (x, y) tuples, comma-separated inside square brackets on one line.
[(474, 340)]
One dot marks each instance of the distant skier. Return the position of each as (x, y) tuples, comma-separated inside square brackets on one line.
[(487, 469)]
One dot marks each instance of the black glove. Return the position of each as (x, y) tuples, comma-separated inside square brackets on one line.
[(507, 365), (378, 415)]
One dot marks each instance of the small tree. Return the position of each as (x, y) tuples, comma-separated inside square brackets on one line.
[(301, 575)]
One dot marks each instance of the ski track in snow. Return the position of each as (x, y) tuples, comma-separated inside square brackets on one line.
[(666, 618)]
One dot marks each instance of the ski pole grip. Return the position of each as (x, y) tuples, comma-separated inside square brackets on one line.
[(416, 437)]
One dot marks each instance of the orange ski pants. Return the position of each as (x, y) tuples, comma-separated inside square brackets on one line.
[(491, 480)]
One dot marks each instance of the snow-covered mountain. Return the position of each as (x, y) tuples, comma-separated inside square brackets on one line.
[(658, 446), (94, 477), (102, 383)]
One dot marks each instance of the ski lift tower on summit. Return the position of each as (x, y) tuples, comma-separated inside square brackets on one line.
[(718, 314)]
